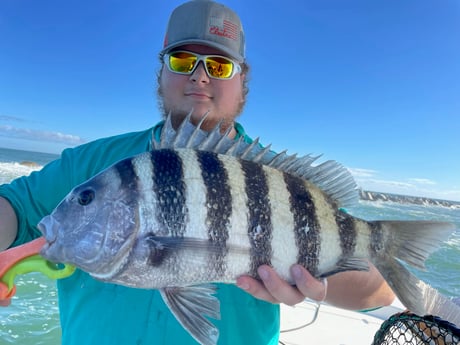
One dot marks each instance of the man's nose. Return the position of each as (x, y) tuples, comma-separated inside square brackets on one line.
[(199, 75)]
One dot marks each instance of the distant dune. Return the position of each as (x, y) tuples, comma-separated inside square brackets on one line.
[(406, 199), (30, 164)]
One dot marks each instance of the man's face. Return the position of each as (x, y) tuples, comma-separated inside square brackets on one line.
[(182, 93)]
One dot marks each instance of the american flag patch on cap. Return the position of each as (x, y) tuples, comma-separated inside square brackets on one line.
[(223, 27)]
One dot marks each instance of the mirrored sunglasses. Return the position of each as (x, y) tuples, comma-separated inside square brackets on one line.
[(216, 66)]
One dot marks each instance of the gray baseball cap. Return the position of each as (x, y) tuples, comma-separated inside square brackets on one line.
[(208, 23)]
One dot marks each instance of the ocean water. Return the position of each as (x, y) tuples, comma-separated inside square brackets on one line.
[(14, 163), (33, 316)]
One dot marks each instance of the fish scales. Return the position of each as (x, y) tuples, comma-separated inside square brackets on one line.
[(244, 222), (347, 232), (198, 226), (284, 240), (225, 221), (239, 221), (178, 210), (218, 207), (169, 186), (189, 182), (306, 226), (162, 210), (177, 219), (260, 227), (202, 187), (320, 248)]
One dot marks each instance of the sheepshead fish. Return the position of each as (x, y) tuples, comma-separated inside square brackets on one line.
[(200, 208)]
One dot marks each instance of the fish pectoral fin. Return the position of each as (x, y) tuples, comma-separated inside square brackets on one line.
[(196, 244), (348, 264), (191, 305)]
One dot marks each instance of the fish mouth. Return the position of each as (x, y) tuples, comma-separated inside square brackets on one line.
[(49, 227)]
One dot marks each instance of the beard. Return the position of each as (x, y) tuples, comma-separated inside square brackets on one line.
[(210, 122)]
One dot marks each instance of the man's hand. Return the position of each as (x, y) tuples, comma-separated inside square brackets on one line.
[(348, 290), (276, 290)]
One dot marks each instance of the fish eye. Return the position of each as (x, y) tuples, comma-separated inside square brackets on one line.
[(86, 197)]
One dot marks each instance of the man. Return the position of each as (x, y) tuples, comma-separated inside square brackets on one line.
[(203, 69)]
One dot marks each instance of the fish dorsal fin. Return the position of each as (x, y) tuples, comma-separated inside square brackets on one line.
[(330, 176), (190, 305)]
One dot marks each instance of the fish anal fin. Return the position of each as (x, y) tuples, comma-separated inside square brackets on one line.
[(416, 295), (191, 305)]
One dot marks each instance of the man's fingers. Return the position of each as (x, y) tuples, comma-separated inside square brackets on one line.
[(255, 288), (272, 288), (281, 290), (308, 285)]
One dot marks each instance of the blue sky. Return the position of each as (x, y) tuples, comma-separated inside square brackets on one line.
[(372, 84)]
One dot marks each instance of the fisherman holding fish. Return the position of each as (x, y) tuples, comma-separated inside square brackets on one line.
[(204, 69)]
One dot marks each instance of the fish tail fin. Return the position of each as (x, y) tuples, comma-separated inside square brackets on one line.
[(412, 242)]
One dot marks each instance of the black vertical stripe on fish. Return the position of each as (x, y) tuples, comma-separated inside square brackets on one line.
[(218, 204), (129, 181), (127, 174), (347, 232), (168, 182), (260, 227), (306, 225)]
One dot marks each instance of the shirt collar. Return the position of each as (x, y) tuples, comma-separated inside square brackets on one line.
[(240, 132)]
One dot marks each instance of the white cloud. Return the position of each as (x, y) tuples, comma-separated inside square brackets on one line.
[(38, 135), (422, 181), (386, 186), (361, 173), (368, 179), (9, 118)]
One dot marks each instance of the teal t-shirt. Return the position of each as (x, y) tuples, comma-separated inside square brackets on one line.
[(93, 312)]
